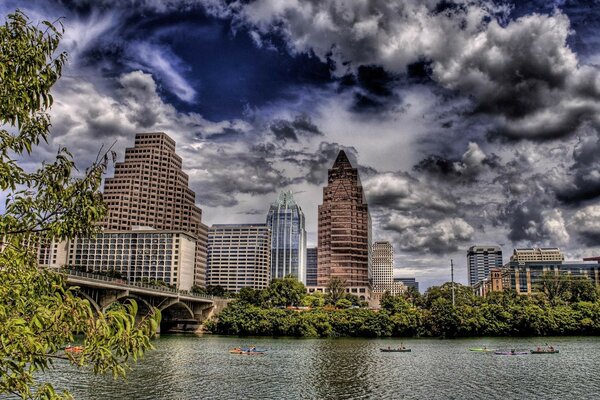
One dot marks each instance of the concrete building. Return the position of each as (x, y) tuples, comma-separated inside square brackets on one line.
[(149, 188), (548, 254), (382, 265), (382, 270), (288, 238), (382, 273), (141, 253), (480, 259), (344, 229), (239, 256), (311, 266)]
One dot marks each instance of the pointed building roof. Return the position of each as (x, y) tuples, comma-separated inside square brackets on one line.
[(342, 161)]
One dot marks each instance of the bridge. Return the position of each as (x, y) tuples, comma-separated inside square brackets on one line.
[(181, 310)]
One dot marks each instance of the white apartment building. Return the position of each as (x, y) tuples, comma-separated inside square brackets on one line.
[(239, 256), (167, 256)]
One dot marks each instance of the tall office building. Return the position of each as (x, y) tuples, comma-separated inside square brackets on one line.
[(288, 238), (382, 265), (480, 259), (239, 256), (344, 238), (311, 266), (149, 188)]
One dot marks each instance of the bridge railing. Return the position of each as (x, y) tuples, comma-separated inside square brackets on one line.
[(124, 283)]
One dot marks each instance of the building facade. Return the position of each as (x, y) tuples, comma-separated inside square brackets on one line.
[(311, 266), (344, 228), (526, 278), (480, 259), (493, 283), (239, 256), (138, 254), (149, 188), (544, 254), (288, 238)]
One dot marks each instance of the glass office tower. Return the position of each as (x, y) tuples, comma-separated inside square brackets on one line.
[(288, 238)]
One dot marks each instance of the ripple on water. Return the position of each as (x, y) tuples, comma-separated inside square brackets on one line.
[(190, 367)]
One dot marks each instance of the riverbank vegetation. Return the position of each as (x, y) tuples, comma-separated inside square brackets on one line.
[(39, 313), (562, 308)]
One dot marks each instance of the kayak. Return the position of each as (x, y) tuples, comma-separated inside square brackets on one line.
[(481, 349), (544, 351), (510, 353), (247, 351), (395, 350), (74, 349)]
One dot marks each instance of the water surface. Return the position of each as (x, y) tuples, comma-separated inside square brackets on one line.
[(200, 367)]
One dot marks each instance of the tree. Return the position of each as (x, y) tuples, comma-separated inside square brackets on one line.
[(336, 289), (39, 314), (287, 291), (216, 290), (343, 303), (554, 286), (394, 304), (582, 289)]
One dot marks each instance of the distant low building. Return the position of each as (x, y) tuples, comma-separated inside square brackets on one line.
[(525, 278), (408, 282), (493, 283), (548, 254)]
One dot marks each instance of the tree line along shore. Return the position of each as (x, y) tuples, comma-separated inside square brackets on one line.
[(284, 309)]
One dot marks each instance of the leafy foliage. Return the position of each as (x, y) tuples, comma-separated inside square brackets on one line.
[(411, 314), (39, 314)]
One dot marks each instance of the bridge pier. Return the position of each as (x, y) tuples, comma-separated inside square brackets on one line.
[(181, 311)]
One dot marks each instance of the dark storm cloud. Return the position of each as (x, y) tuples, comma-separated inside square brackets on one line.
[(585, 172), (586, 222), (521, 72), (292, 130), (373, 89), (473, 163), (226, 175), (314, 165)]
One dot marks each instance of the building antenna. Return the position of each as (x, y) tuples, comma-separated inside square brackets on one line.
[(452, 277)]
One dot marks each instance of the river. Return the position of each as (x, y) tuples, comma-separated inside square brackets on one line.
[(200, 367)]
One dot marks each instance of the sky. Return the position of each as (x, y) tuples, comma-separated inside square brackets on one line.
[(471, 122)]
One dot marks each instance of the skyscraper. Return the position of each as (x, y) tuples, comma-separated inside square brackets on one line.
[(239, 256), (344, 238), (149, 188), (288, 238), (480, 259)]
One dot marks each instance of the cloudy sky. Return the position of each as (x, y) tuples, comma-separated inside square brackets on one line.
[(472, 121)]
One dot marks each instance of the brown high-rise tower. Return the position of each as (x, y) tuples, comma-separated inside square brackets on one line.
[(344, 228), (149, 188)]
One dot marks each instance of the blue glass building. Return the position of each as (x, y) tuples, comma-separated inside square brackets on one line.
[(288, 238)]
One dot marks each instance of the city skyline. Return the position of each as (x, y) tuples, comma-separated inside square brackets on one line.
[(455, 147)]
